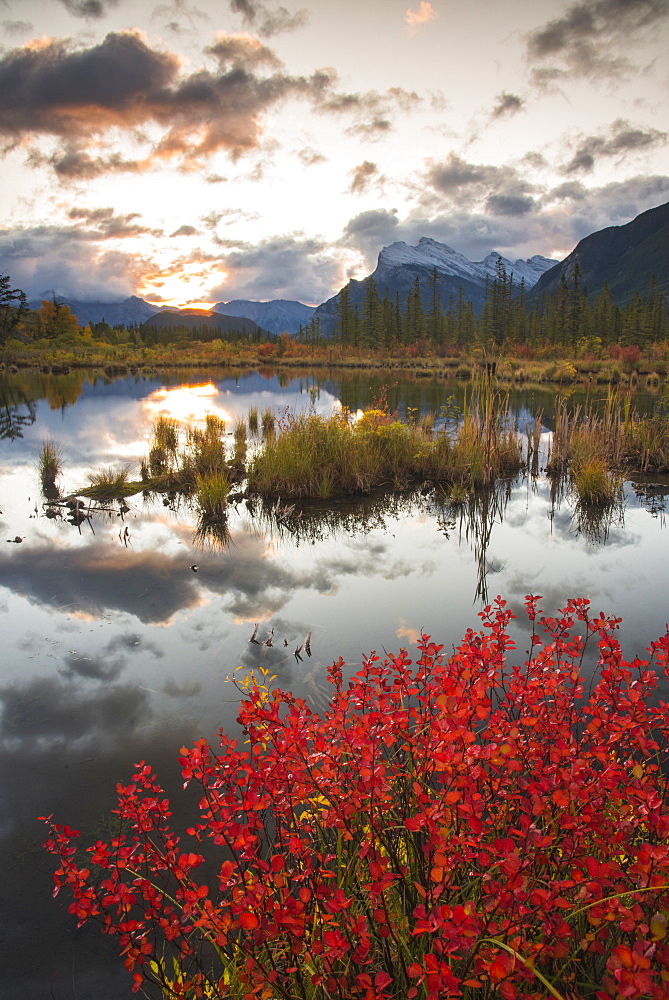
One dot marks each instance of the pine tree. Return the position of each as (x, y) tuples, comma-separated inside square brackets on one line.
[(13, 307)]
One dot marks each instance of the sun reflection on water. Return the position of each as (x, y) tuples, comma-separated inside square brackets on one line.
[(186, 403)]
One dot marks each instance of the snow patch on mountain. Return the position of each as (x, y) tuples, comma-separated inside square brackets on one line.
[(429, 254)]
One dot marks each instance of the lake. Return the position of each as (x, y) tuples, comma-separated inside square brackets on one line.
[(120, 635)]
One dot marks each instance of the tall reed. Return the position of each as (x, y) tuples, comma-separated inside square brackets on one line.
[(49, 465)]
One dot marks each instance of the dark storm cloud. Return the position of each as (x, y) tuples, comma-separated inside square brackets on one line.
[(268, 21), (623, 138), (362, 175), (77, 95), (89, 8), (507, 104), (582, 39)]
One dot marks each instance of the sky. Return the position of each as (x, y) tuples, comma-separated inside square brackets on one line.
[(197, 151)]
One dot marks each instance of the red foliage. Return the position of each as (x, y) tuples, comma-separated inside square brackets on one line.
[(628, 355), (465, 827)]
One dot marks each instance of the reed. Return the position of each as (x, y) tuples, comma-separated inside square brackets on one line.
[(253, 420), (594, 482), (211, 495), (205, 454), (268, 423), (164, 445), (50, 466)]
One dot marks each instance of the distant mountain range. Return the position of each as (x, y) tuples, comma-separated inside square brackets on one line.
[(276, 316), (399, 265), (624, 257)]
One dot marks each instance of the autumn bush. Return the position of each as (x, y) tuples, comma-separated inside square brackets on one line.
[(465, 825)]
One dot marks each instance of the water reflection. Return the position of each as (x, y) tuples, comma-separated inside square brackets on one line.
[(120, 632)]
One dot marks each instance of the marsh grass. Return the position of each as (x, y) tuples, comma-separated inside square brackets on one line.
[(320, 457), (268, 423), (109, 483), (164, 444), (253, 420), (50, 466), (594, 483), (211, 495), (618, 437)]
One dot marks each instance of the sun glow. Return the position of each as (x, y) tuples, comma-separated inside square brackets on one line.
[(181, 284), (186, 403)]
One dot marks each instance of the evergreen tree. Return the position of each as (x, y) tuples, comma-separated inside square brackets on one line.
[(372, 334), (13, 307), (435, 320)]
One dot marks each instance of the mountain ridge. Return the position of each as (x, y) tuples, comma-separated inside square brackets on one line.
[(399, 265), (623, 257)]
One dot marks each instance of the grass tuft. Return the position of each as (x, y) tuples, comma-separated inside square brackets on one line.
[(50, 466)]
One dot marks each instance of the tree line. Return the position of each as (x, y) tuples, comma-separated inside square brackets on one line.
[(569, 319)]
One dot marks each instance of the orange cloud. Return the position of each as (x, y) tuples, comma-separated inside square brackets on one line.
[(425, 13)]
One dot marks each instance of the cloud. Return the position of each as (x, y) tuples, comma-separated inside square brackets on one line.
[(290, 267), (582, 42), (89, 8), (265, 21), (503, 204), (371, 230), (416, 18), (16, 27), (501, 190), (122, 84), (507, 104), (309, 157), (74, 260), (94, 667), (373, 111), (185, 231), (361, 177), (49, 709), (623, 138)]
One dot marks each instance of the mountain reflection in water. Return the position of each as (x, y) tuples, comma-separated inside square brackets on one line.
[(120, 633)]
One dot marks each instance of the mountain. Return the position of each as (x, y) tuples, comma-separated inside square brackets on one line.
[(625, 257), (128, 312), (195, 319), (399, 265), (277, 316)]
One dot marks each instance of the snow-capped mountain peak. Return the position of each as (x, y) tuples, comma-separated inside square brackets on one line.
[(429, 254)]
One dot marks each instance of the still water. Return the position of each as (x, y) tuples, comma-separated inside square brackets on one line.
[(119, 636)]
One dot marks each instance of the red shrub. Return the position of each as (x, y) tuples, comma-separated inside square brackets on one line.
[(460, 826)]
